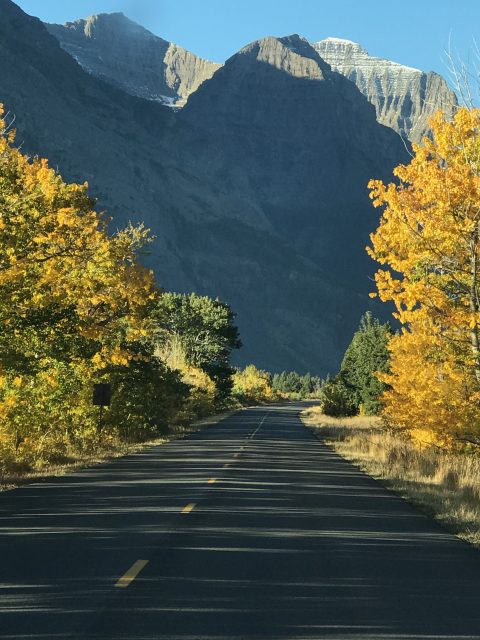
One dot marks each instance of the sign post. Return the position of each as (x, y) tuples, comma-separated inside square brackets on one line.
[(102, 393)]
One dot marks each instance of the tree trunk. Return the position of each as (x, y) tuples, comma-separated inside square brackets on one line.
[(474, 337)]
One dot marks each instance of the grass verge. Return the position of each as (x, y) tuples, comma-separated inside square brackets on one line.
[(102, 453), (444, 485)]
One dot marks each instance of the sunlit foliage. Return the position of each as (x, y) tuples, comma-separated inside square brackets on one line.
[(252, 385), (428, 245), (203, 334)]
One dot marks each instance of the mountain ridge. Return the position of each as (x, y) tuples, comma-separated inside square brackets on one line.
[(254, 194), (117, 49), (404, 97)]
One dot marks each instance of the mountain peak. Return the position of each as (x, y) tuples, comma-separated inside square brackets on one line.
[(120, 51), (100, 24), (292, 54), (332, 47), (342, 42), (404, 97)]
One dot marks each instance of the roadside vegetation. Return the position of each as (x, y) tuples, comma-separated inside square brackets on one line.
[(254, 386), (405, 405), (445, 484), (77, 309)]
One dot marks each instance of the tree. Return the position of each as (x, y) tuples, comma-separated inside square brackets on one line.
[(205, 330), (428, 244), (366, 355), (336, 400), (293, 385), (252, 385), (429, 393), (67, 288)]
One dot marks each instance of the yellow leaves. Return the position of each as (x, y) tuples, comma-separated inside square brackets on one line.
[(429, 391), (98, 361), (253, 384), (56, 250), (115, 356), (73, 300), (429, 225), (120, 358), (428, 243), (66, 217), (197, 378)]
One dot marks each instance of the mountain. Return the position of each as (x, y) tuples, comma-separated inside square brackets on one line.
[(404, 97), (306, 142), (295, 144), (112, 47), (115, 49), (255, 190)]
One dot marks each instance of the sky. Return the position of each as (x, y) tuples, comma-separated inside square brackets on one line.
[(416, 33)]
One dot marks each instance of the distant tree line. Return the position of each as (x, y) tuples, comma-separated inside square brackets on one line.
[(294, 385)]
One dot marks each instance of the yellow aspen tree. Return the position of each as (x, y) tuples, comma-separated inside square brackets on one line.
[(74, 301), (428, 245), (60, 271)]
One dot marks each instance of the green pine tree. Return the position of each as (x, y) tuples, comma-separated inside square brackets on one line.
[(366, 354)]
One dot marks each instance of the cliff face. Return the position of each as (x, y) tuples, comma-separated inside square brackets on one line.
[(255, 190), (114, 48), (404, 98)]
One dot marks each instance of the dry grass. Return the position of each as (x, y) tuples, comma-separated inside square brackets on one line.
[(445, 485), (110, 451)]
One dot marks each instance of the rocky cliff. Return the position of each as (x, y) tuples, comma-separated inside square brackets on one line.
[(112, 47), (404, 98)]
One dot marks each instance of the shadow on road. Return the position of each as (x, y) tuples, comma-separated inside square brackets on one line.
[(289, 541)]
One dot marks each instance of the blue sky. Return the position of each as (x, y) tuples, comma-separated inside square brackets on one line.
[(413, 32)]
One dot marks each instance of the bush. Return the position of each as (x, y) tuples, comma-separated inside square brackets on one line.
[(335, 400)]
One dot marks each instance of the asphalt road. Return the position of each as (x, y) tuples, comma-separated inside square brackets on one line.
[(248, 529)]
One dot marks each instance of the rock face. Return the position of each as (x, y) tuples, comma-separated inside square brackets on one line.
[(112, 47), (255, 190), (404, 98)]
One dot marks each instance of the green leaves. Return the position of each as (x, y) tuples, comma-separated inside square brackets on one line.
[(205, 330), (366, 355)]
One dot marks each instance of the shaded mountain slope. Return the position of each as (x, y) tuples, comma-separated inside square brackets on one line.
[(256, 190)]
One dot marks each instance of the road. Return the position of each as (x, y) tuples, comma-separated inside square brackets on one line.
[(250, 529)]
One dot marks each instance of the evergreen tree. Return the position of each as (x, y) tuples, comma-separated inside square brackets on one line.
[(366, 355)]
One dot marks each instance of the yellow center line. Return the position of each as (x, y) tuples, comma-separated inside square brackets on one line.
[(190, 507), (212, 481), (131, 574)]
